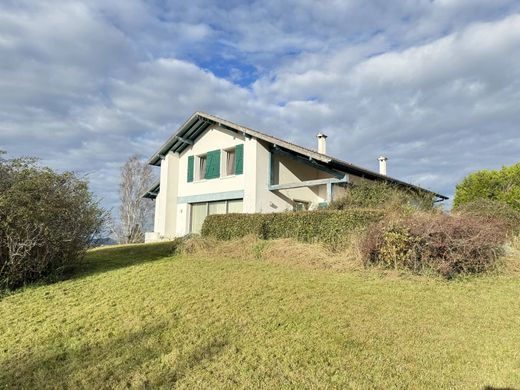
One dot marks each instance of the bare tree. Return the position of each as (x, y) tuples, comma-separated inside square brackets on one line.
[(134, 211)]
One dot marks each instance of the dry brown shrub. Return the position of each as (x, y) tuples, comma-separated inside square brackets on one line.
[(493, 211), (442, 243)]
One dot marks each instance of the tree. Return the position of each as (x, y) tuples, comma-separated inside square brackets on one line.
[(500, 185), (47, 221), (134, 210)]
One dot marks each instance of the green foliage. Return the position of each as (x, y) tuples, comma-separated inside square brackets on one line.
[(326, 226), (501, 185), (382, 195), (47, 220), (395, 249)]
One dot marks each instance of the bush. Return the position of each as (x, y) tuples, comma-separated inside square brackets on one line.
[(382, 195), (500, 185), (325, 226), (47, 220), (442, 243), (493, 211)]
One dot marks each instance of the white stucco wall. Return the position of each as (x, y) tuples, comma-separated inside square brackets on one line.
[(182, 218), (266, 201), (166, 201)]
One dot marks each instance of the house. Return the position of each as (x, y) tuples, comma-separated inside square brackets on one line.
[(211, 165)]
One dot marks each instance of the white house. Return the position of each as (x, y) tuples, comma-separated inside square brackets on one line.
[(211, 165)]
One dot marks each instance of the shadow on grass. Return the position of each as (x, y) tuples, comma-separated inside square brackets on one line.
[(119, 256), (146, 357), (105, 259), (499, 388)]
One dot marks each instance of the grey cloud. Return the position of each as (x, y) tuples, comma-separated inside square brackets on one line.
[(86, 84)]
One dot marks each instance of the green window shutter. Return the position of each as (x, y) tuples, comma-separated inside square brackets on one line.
[(239, 159), (213, 164), (190, 168)]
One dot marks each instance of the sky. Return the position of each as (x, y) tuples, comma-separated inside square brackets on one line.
[(434, 85)]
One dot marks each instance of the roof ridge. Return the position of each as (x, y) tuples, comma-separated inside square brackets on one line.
[(311, 154)]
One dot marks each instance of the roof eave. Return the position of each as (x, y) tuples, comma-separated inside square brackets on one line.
[(153, 191), (170, 142)]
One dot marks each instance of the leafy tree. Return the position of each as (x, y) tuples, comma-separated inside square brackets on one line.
[(47, 220), (500, 185)]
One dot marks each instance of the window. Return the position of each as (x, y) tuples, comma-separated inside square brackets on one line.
[(201, 167), (199, 211), (235, 206), (300, 205), (215, 164), (229, 162), (217, 207)]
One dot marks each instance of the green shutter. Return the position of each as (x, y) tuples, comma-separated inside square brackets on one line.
[(213, 164), (239, 159), (190, 168)]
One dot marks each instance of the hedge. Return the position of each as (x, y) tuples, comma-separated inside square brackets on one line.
[(330, 227)]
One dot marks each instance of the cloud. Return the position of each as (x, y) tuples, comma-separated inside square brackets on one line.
[(433, 85), (423, 106)]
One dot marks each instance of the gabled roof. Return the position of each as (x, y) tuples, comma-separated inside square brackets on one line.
[(200, 121)]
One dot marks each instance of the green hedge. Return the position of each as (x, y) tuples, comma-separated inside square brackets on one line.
[(330, 227)]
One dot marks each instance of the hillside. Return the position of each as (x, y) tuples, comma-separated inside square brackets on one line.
[(134, 317)]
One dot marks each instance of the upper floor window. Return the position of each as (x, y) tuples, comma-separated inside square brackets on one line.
[(201, 167), (208, 166), (229, 162)]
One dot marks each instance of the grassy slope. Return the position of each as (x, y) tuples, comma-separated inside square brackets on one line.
[(125, 322)]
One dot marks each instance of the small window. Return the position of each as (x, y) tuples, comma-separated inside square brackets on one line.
[(201, 167), (229, 162), (300, 205)]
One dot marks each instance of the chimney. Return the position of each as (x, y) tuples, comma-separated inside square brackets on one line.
[(382, 165), (322, 143)]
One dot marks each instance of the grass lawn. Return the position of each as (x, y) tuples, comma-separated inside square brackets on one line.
[(133, 317)]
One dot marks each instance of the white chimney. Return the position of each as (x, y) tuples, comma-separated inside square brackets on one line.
[(322, 143), (382, 165)]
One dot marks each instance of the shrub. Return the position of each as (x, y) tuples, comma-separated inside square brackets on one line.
[(382, 195), (47, 220), (446, 244), (325, 226), (493, 211), (501, 185)]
